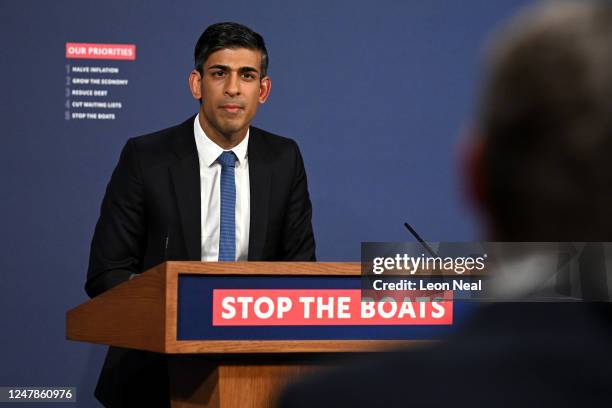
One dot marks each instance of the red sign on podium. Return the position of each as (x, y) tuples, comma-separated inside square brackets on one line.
[(314, 307)]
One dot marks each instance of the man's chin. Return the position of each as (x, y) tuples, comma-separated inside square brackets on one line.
[(233, 128), (234, 123)]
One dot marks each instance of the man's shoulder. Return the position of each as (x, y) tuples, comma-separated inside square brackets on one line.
[(271, 143), (162, 147), (162, 138)]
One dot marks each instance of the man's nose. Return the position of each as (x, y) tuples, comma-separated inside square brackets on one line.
[(232, 86)]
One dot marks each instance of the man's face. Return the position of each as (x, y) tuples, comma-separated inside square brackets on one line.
[(231, 89)]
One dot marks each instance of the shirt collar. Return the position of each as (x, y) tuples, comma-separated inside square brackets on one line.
[(209, 151)]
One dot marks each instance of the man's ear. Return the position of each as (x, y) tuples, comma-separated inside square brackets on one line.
[(264, 89), (471, 160), (195, 84)]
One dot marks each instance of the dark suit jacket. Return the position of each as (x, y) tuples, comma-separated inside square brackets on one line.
[(151, 213), (510, 355)]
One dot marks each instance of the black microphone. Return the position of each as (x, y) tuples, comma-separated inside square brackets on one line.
[(421, 240), (166, 242)]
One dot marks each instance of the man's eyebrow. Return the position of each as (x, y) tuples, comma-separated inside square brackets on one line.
[(248, 69), (227, 68), (219, 66)]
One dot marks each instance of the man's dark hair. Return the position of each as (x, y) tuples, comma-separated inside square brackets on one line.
[(229, 35), (546, 119)]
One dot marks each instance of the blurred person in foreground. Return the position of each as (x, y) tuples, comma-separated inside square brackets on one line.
[(539, 169)]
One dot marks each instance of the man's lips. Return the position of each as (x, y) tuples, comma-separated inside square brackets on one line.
[(232, 108)]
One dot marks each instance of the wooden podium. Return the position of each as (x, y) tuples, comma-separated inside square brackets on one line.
[(145, 313)]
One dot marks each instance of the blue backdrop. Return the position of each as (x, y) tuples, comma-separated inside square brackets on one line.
[(375, 93)]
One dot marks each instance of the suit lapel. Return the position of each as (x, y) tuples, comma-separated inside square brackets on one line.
[(259, 179), (185, 175)]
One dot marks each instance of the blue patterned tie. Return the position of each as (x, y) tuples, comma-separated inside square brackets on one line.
[(227, 234)]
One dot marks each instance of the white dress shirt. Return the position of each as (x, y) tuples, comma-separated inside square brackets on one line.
[(210, 194)]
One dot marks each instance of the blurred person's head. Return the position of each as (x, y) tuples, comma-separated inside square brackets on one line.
[(542, 168)]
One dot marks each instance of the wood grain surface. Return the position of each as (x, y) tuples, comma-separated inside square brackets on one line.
[(132, 314), (196, 381), (142, 313)]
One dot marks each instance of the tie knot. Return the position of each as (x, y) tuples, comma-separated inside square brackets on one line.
[(227, 159)]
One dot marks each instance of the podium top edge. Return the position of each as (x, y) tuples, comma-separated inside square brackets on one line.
[(263, 268)]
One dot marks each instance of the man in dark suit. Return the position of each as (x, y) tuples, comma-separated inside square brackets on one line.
[(213, 188), (539, 170)]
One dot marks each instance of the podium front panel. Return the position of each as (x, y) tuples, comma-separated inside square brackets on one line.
[(195, 311)]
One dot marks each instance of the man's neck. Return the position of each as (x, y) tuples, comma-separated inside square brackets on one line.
[(225, 141)]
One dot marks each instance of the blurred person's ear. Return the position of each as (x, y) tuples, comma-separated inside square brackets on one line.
[(472, 175)]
